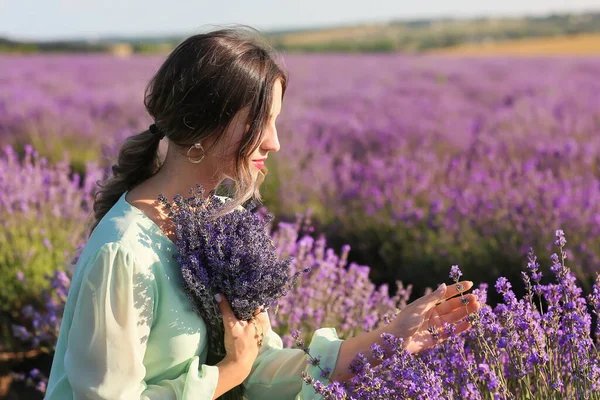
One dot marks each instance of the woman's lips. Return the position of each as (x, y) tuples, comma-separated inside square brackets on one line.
[(259, 164)]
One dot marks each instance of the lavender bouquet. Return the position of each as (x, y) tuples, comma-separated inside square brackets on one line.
[(231, 254)]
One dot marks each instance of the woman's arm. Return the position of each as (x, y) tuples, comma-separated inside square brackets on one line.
[(277, 372), (350, 348), (104, 357), (231, 374)]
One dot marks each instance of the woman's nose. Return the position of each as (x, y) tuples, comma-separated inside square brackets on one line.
[(271, 143)]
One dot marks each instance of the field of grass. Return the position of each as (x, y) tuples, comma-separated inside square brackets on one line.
[(424, 35), (583, 45)]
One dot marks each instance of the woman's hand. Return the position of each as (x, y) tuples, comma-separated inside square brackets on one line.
[(421, 322), (242, 338), (242, 343)]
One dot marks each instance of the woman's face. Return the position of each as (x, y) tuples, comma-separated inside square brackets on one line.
[(270, 141), (224, 153)]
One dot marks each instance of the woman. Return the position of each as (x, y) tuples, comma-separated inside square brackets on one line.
[(128, 330)]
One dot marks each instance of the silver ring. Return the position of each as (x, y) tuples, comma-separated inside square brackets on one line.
[(460, 287)]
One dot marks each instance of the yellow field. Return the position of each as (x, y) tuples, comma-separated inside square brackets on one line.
[(553, 46), (360, 32)]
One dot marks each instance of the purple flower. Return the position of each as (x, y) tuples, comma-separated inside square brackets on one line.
[(455, 273), (560, 238), (503, 285)]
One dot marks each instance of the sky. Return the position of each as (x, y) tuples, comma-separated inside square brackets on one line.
[(91, 19)]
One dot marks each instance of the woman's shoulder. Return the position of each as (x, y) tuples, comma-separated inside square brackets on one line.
[(109, 254), (126, 233), (128, 230), (129, 227)]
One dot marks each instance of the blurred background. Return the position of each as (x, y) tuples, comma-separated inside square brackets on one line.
[(422, 135)]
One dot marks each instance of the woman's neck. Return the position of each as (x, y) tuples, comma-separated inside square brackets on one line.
[(173, 178)]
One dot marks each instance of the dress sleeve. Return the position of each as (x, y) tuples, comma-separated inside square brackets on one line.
[(110, 327), (277, 372)]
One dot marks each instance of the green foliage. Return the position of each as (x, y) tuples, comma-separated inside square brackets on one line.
[(152, 48), (33, 246), (270, 187), (78, 149), (421, 255), (44, 214)]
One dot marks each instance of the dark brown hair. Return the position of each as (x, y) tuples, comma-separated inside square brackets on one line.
[(193, 96)]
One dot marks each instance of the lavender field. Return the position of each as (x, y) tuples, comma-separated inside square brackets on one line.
[(417, 163)]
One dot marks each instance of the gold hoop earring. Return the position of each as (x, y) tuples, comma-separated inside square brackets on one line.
[(191, 159)]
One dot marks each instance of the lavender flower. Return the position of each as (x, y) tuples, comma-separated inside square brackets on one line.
[(560, 238), (594, 301), (455, 273), (41, 327), (43, 210)]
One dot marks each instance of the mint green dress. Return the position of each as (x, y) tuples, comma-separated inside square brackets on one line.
[(128, 330)]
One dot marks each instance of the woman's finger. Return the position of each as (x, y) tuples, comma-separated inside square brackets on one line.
[(264, 321), (457, 329), (462, 326), (422, 304), (459, 313), (228, 315), (452, 304), (442, 293), (456, 289), (443, 335), (258, 311)]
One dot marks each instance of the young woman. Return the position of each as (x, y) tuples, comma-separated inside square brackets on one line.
[(128, 330)]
